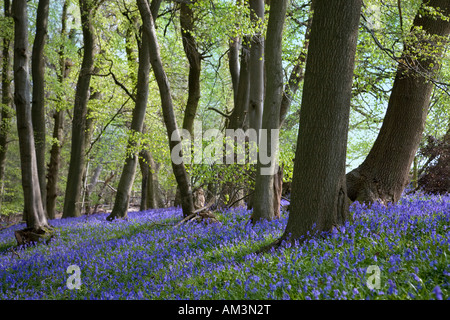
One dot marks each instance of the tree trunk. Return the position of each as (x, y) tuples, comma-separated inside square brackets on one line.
[(384, 173), (120, 209), (150, 199), (239, 117), (90, 188), (6, 109), (167, 107), (194, 58), (38, 100), (318, 199), (256, 92), (58, 129), (233, 63), (296, 77), (72, 205), (263, 199), (33, 209)]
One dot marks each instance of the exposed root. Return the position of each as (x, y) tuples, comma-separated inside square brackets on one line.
[(31, 236)]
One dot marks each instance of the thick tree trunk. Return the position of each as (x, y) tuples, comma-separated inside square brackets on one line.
[(72, 205), (318, 199), (384, 173), (194, 58), (120, 209), (263, 199), (6, 109), (33, 209), (38, 100), (167, 107)]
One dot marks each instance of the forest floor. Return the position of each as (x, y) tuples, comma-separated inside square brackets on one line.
[(398, 252)]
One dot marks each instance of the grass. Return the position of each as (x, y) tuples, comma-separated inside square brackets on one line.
[(147, 257)]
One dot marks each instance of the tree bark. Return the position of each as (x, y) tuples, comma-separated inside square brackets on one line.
[(233, 64), (263, 199), (167, 107), (120, 209), (384, 174), (72, 205), (38, 99), (195, 60), (239, 117), (256, 67), (296, 77), (150, 196), (33, 209), (58, 129), (7, 111), (318, 199)]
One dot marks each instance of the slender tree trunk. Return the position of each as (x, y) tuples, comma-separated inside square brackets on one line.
[(256, 92), (72, 205), (120, 209), (58, 129), (318, 199), (263, 199), (38, 100), (90, 188), (167, 107), (194, 58), (33, 209), (233, 58), (239, 117), (296, 77), (150, 198), (385, 172), (6, 109)]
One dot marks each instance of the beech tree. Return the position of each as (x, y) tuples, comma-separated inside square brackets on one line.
[(318, 198), (122, 199), (263, 199), (6, 108), (72, 204), (33, 209), (173, 133), (58, 128), (385, 172), (38, 100)]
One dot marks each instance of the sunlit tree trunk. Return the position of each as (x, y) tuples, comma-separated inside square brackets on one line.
[(263, 199), (384, 173)]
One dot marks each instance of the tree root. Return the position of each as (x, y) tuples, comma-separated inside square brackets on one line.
[(32, 236)]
